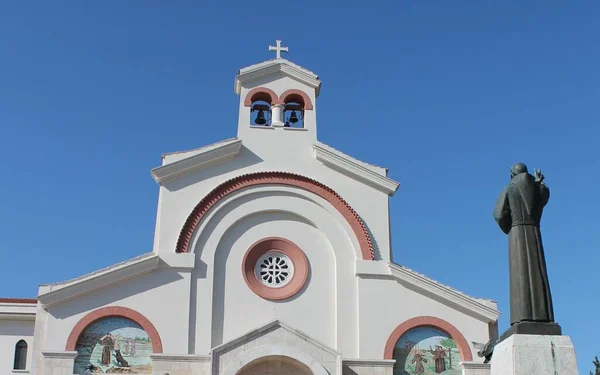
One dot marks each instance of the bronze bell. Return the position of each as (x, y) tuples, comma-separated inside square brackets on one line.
[(260, 119), (293, 118)]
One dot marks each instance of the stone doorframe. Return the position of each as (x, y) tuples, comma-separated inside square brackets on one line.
[(275, 350), (275, 339)]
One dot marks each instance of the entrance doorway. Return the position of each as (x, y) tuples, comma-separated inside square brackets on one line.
[(275, 365)]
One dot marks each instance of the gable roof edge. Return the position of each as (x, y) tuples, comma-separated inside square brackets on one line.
[(272, 324), (53, 294), (444, 294), (259, 70), (206, 157), (354, 168)]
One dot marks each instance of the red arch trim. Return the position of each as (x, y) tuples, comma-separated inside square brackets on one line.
[(307, 102), (260, 90), (428, 321), (278, 178), (112, 311)]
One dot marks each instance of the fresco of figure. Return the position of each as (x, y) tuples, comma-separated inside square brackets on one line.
[(439, 357), (108, 345), (418, 360)]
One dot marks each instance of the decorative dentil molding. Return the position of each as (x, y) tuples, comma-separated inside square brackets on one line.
[(17, 316), (346, 165)]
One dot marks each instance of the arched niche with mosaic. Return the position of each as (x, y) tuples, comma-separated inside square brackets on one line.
[(426, 351), (113, 345)]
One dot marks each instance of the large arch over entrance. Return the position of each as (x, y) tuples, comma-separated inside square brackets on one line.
[(275, 365), (278, 178)]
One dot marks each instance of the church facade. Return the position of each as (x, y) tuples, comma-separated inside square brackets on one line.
[(271, 254)]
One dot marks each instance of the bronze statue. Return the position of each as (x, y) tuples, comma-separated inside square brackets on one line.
[(518, 213)]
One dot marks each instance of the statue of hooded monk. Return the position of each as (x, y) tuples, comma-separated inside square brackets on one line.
[(518, 212)]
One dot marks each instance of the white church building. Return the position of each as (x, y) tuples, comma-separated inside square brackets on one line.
[(271, 255)]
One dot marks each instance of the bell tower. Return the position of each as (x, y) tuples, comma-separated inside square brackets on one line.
[(277, 99)]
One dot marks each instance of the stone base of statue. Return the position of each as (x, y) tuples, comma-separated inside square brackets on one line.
[(522, 354), (532, 328)]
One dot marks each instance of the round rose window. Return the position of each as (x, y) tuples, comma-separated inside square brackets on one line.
[(275, 268)]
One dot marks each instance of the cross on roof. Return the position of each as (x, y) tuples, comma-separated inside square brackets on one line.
[(278, 49)]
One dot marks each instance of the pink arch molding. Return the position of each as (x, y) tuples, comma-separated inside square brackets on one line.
[(261, 93), (428, 321), (277, 178), (111, 311)]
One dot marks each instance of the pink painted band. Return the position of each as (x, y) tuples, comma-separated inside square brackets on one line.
[(269, 96), (114, 311), (286, 247), (261, 93), (277, 178)]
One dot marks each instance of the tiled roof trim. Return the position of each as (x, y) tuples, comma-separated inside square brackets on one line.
[(278, 178)]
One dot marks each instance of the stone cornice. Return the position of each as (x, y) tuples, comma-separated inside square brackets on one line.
[(16, 316), (209, 156), (270, 67), (54, 294), (345, 165), (59, 293), (60, 354), (179, 357), (368, 362), (475, 366), (443, 294)]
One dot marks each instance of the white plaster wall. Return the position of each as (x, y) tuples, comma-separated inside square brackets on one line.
[(162, 296), (179, 197), (312, 310), (385, 304), (325, 306), (270, 149), (11, 332)]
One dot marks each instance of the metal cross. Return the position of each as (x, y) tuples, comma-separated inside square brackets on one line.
[(278, 49)]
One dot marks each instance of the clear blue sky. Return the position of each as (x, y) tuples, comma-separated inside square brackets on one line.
[(446, 94)]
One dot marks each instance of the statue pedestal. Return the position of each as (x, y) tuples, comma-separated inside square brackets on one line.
[(534, 355)]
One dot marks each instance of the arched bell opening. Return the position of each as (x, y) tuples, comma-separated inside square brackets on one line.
[(293, 114), (260, 113)]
